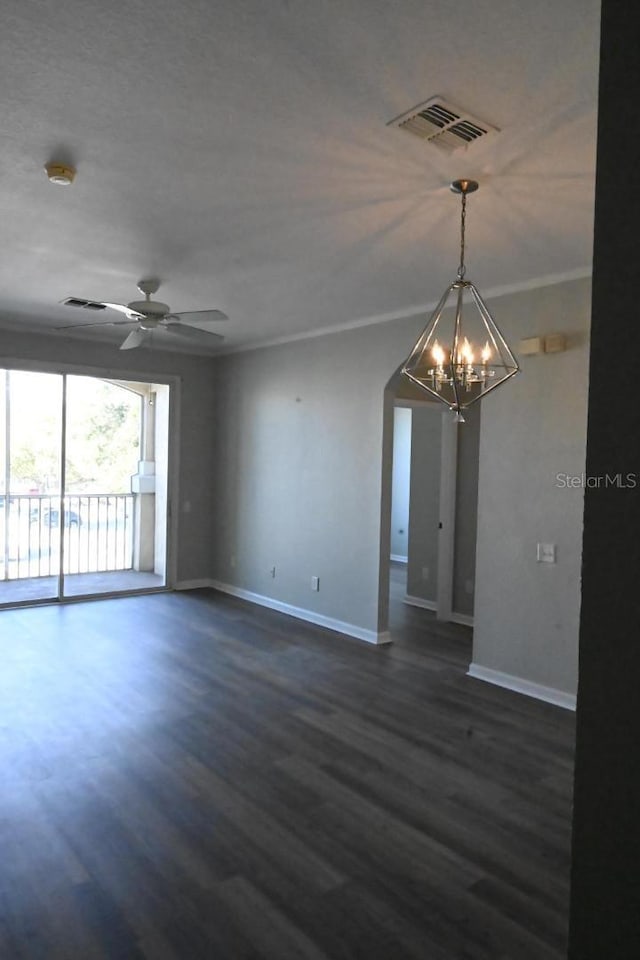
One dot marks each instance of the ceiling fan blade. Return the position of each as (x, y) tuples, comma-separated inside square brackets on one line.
[(191, 333), (135, 339), (98, 323), (123, 308), (200, 316)]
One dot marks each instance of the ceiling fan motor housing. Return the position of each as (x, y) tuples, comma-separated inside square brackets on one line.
[(150, 308)]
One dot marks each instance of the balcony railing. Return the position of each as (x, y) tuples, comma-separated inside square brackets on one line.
[(98, 534)]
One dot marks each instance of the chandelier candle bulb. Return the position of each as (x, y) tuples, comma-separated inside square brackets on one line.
[(486, 356), (465, 371)]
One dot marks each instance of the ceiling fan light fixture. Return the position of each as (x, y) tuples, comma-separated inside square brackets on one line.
[(60, 174)]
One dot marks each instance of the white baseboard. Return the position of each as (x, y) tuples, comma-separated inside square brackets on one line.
[(339, 626), (194, 584), (461, 618), (397, 558), (529, 689), (419, 602)]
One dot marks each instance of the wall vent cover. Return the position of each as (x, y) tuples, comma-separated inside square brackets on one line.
[(443, 124), (85, 304)]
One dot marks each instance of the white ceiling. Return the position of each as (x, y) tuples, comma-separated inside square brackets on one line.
[(239, 151)]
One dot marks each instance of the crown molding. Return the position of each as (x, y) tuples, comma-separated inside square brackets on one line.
[(535, 283)]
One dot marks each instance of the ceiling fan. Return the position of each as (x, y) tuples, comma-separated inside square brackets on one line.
[(149, 316)]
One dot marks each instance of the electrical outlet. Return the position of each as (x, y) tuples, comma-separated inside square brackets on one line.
[(315, 583), (273, 571), (425, 573)]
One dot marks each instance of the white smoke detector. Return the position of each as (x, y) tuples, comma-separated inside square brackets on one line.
[(443, 124)]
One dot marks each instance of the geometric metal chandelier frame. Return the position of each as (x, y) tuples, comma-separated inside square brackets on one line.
[(461, 357)]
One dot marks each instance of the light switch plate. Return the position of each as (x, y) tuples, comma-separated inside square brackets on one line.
[(546, 553)]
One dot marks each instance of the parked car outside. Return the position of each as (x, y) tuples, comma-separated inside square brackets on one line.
[(51, 517)]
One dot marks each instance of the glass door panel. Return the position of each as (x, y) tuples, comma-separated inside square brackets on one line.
[(30, 485), (109, 518)]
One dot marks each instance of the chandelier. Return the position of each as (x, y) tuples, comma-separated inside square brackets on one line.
[(462, 358)]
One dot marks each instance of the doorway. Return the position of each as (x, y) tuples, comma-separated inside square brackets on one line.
[(433, 506), (83, 486)]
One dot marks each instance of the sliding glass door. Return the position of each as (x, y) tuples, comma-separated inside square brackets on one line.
[(31, 459), (79, 515)]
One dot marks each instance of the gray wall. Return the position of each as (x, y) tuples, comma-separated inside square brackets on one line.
[(298, 480), (298, 475), (196, 435), (400, 482), (424, 514), (526, 613)]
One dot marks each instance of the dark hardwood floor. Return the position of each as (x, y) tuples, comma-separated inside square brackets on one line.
[(188, 776)]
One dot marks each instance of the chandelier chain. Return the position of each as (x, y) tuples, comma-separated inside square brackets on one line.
[(463, 219)]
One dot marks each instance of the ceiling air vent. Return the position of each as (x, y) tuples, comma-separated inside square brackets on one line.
[(86, 304), (443, 124)]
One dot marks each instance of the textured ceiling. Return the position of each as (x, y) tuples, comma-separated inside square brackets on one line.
[(239, 151)]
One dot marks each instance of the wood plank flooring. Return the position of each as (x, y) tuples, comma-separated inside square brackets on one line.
[(188, 776)]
